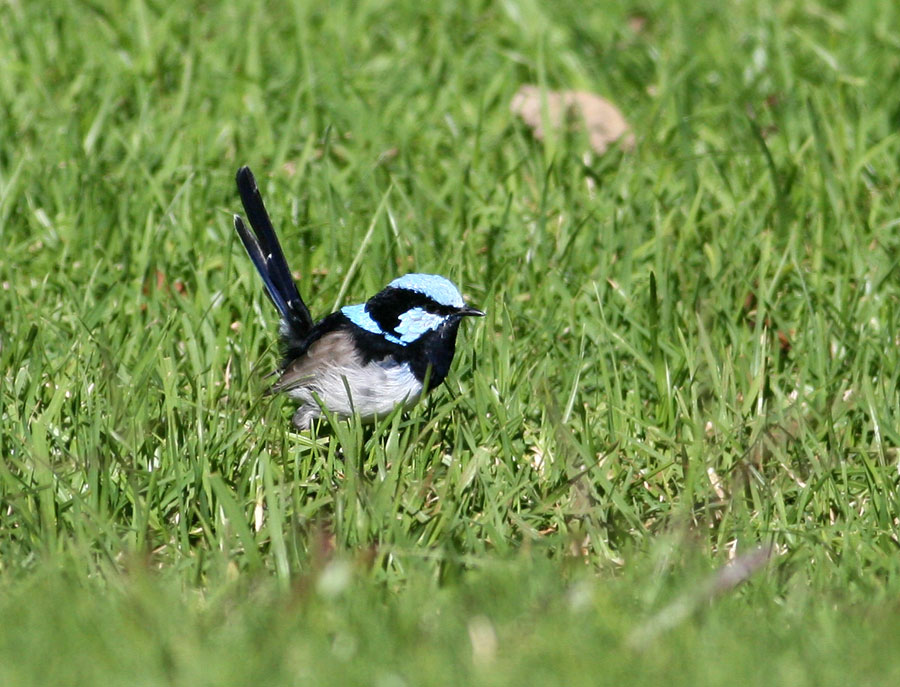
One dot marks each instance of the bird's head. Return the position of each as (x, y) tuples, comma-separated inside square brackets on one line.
[(412, 307)]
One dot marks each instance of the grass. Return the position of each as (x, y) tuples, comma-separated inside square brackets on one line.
[(690, 350)]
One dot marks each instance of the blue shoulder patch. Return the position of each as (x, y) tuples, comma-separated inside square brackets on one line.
[(437, 288), (359, 316)]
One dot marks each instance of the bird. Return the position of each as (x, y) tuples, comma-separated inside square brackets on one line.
[(366, 358)]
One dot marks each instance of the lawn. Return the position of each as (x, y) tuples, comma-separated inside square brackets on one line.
[(668, 455)]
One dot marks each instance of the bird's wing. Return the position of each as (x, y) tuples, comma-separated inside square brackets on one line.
[(334, 351)]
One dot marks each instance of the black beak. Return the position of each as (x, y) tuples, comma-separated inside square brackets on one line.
[(466, 310)]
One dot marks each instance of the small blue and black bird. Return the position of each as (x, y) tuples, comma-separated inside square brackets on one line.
[(366, 358)]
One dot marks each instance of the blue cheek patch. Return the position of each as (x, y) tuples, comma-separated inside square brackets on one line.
[(413, 323), (416, 322)]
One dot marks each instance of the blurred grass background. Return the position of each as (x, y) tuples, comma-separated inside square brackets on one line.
[(691, 348)]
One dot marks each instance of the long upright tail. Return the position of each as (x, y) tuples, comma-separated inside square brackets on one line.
[(268, 258)]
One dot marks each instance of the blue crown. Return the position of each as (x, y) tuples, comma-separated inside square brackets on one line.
[(437, 288)]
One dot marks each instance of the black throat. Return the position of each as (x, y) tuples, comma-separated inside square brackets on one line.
[(432, 353)]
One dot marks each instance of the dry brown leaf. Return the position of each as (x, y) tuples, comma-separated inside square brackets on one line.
[(602, 120)]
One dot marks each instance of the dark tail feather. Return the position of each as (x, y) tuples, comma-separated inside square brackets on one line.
[(259, 261), (265, 252)]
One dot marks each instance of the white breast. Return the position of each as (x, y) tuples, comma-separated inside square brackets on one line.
[(372, 390)]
